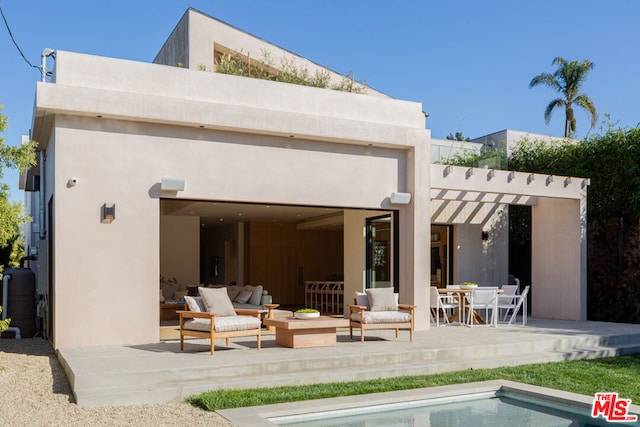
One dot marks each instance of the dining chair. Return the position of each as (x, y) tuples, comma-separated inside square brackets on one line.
[(506, 301), (484, 298), (442, 303), (517, 302)]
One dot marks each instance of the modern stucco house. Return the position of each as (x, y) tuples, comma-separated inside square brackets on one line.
[(216, 178)]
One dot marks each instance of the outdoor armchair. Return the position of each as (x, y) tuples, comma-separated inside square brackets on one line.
[(378, 309), (212, 316)]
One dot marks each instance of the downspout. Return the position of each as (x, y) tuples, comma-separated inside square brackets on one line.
[(43, 232), (5, 296)]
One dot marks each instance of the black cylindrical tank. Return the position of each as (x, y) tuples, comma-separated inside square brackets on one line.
[(21, 300)]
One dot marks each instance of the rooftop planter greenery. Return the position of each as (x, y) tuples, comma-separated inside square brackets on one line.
[(289, 71)]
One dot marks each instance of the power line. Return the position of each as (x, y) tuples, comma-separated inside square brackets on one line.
[(6, 24)]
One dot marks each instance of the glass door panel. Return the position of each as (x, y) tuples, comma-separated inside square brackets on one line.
[(441, 256), (381, 260)]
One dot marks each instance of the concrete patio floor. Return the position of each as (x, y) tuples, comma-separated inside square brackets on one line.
[(160, 372)]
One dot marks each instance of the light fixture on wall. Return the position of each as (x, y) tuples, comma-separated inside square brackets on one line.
[(171, 184), (108, 213), (485, 236), (400, 198)]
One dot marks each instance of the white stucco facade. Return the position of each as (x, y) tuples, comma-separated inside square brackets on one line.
[(119, 127)]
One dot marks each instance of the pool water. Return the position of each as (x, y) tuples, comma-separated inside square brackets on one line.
[(486, 409)]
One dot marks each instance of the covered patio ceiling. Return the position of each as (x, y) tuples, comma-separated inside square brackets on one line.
[(218, 214)]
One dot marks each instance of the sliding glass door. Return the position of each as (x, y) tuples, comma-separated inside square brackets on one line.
[(382, 254), (441, 255)]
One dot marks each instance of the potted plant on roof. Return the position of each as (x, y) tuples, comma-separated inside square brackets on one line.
[(306, 313)]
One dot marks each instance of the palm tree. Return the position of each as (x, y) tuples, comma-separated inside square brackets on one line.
[(567, 80)]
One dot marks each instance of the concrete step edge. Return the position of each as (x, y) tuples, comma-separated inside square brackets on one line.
[(177, 392), (158, 377)]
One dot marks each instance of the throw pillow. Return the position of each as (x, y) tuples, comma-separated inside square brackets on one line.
[(382, 299), (216, 300), (256, 295), (243, 297), (195, 304), (233, 293), (362, 299)]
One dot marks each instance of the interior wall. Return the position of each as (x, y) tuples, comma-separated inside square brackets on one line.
[(180, 248), (282, 258)]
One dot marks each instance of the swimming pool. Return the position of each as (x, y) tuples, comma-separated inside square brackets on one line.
[(491, 403)]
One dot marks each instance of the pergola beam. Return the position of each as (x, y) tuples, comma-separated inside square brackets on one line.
[(492, 183)]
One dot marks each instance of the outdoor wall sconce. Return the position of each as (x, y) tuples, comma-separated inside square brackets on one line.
[(171, 184), (485, 236), (400, 198), (108, 213)]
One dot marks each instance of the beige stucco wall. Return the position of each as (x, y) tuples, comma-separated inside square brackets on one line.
[(558, 278), (104, 273), (483, 262), (230, 139)]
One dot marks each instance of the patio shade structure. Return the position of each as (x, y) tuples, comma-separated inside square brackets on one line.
[(472, 196)]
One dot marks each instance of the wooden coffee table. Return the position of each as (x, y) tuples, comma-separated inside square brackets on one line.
[(304, 333)]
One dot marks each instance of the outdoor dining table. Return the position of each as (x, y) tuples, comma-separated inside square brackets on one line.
[(461, 296)]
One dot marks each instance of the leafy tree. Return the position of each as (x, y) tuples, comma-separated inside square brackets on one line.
[(457, 137), (612, 162), (567, 80), (492, 159), (4, 324), (11, 214)]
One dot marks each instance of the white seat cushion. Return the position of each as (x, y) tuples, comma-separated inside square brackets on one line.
[(224, 324), (397, 316)]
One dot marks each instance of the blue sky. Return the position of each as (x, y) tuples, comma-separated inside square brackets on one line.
[(468, 62)]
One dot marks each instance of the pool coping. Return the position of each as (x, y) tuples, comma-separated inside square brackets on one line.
[(258, 416)]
